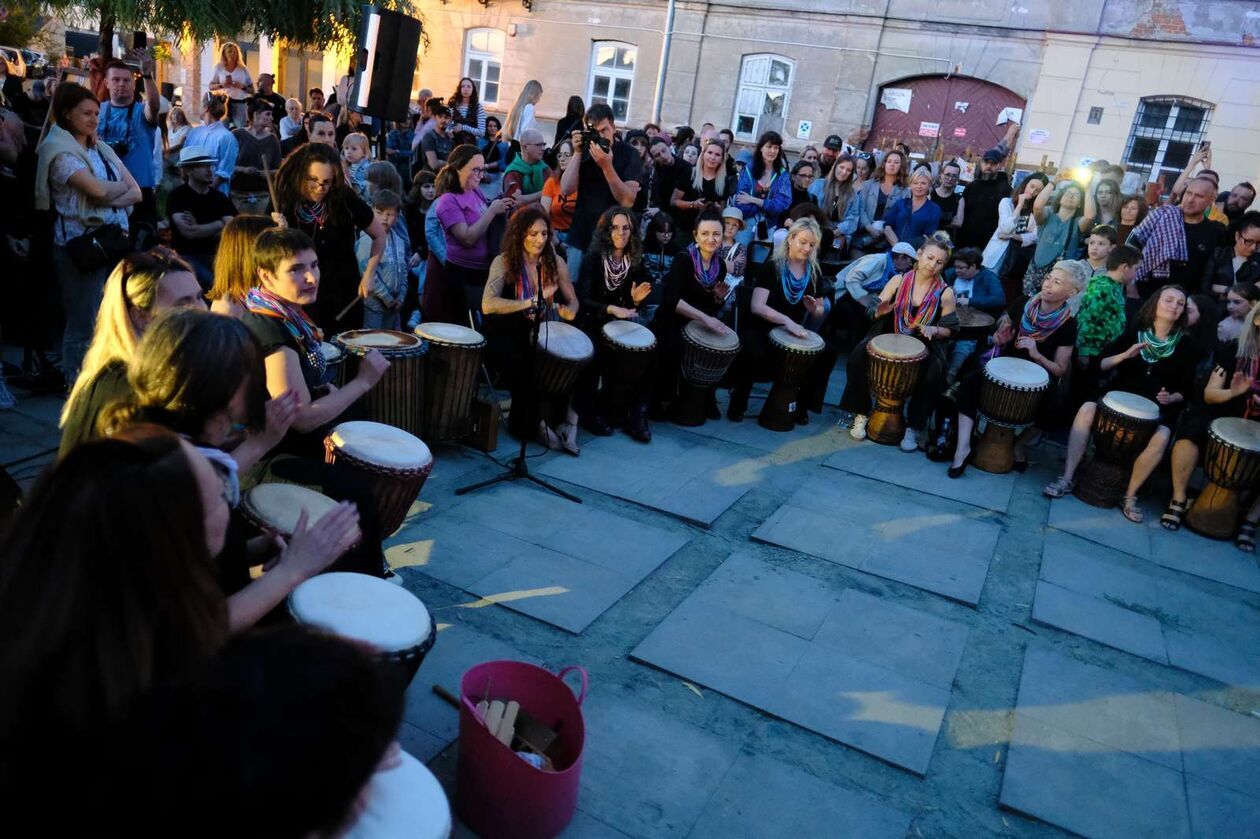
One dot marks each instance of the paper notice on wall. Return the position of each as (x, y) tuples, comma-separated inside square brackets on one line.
[(896, 99), (803, 129), (1038, 137), (1010, 115), (929, 129), (960, 132)]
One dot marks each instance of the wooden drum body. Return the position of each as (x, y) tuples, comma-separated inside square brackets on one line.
[(630, 349), (706, 357), (563, 351), (1009, 398), (1123, 425), (335, 362), (395, 463), (893, 366), (1232, 464), (791, 358), (397, 399), (370, 610), (450, 378)]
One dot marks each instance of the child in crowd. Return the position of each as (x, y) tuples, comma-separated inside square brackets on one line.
[(356, 152), (415, 209), (1102, 316), (1238, 301), (1101, 242), (381, 309)]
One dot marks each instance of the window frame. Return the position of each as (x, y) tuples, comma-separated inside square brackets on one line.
[(763, 87), (613, 75), (485, 57), (1165, 134)]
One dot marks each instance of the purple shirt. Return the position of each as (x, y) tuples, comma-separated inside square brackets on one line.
[(468, 207)]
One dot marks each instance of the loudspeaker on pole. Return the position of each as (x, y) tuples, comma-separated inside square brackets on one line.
[(385, 63)]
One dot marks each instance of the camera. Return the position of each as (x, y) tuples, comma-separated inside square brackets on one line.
[(122, 148), (592, 137)]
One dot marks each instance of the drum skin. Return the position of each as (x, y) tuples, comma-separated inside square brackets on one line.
[(706, 355), (395, 463), (631, 347), (1012, 391)]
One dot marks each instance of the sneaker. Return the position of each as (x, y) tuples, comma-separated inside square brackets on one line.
[(391, 577), (845, 420), (858, 431), (910, 442)]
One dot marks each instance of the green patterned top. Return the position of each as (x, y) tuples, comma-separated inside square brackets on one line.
[(1100, 319)]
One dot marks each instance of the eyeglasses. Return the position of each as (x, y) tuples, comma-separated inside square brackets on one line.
[(477, 170), (1254, 243), (319, 183)]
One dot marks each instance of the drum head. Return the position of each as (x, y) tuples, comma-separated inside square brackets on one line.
[(450, 333), (361, 340), (332, 352), (812, 342), (565, 341), (629, 334), (1238, 432), (897, 346), (970, 318), (702, 336), (406, 800), (380, 444), (279, 505), (1017, 372), (362, 608), (1131, 405)]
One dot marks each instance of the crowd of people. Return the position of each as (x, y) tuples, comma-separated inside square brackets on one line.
[(298, 220)]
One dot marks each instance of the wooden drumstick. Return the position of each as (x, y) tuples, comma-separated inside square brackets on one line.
[(347, 309), (271, 188)]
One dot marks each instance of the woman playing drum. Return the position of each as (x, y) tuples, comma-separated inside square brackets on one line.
[(920, 304), (612, 283), (787, 294), (509, 303), (1041, 330), (1151, 360), (696, 290)]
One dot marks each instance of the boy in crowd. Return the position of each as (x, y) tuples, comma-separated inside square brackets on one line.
[(382, 308)]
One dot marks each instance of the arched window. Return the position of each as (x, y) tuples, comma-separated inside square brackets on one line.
[(483, 62), (765, 83), (1166, 131), (612, 76)]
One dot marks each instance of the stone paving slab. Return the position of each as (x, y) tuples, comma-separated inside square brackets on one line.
[(762, 797), (881, 529), (916, 472), (535, 552), (678, 473), (1182, 550), (881, 689), (1106, 597)]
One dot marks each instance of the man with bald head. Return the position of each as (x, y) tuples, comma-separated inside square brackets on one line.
[(1177, 241), (525, 177)]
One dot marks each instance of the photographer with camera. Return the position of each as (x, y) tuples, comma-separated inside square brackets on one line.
[(129, 127), (603, 171)]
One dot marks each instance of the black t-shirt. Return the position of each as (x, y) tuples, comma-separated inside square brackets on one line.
[(682, 284), (769, 278), (595, 296), (1202, 240), (212, 206), (801, 196), (594, 194), (108, 386), (273, 337), (1064, 336), (948, 205), (441, 146), (980, 213), (338, 267), (1135, 375)]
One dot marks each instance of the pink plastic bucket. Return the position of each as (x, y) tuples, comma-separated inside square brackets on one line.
[(498, 794)]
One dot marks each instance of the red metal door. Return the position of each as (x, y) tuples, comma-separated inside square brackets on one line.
[(961, 111)]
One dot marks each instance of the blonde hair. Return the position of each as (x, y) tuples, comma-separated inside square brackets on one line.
[(240, 56), (921, 173), (805, 224), (529, 94), (357, 138), (719, 179), (1249, 337), (133, 284)]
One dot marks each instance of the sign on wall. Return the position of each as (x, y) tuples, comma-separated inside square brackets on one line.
[(803, 129), (896, 99), (929, 129), (1038, 136)]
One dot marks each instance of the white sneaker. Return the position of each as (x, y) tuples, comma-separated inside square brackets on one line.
[(858, 431), (910, 442)]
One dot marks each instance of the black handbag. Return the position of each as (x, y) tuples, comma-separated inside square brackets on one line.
[(98, 248)]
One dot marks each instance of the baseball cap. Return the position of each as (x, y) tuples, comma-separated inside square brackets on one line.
[(993, 155), (833, 142), (905, 249)]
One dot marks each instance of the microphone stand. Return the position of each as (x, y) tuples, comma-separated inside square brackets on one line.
[(519, 467)]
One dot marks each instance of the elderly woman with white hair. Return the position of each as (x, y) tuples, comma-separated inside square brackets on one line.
[(1040, 329)]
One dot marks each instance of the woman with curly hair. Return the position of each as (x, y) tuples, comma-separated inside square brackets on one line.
[(313, 196), (234, 272), (510, 305), (612, 284)]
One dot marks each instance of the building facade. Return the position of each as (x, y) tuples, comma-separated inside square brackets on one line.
[(1138, 81)]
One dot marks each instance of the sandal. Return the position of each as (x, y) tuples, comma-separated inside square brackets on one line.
[(1131, 510), (548, 437), (1171, 519), (1058, 488), (1246, 538), (566, 434)]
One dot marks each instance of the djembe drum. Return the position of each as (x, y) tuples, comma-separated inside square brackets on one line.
[(1232, 464), (973, 324), (450, 378), (1123, 425), (335, 362), (791, 358), (706, 357), (388, 618), (403, 800), (630, 347), (397, 399), (563, 351), (1009, 398), (278, 506), (893, 366), (395, 463)]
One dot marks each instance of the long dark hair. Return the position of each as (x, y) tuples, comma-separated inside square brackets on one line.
[(576, 109), (106, 586), (448, 176), (291, 182), (188, 367), (601, 239), (770, 138), (456, 100), (514, 245), (1145, 317), (1019, 190)]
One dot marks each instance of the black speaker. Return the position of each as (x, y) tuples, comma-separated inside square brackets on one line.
[(385, 64)]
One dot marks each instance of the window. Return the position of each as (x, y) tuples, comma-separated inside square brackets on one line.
[(1095, 116), (765, 83), (1166, 131), (483, 62), (612, 76)]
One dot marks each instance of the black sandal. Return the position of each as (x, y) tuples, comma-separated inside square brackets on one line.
[(1246, 538), (1171, 519)]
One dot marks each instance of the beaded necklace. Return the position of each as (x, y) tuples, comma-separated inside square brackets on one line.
[(616, 271)]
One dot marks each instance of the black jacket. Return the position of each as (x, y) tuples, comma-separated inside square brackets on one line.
[(1219, 270)]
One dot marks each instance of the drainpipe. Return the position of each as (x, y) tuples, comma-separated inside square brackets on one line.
[(666, 40)]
